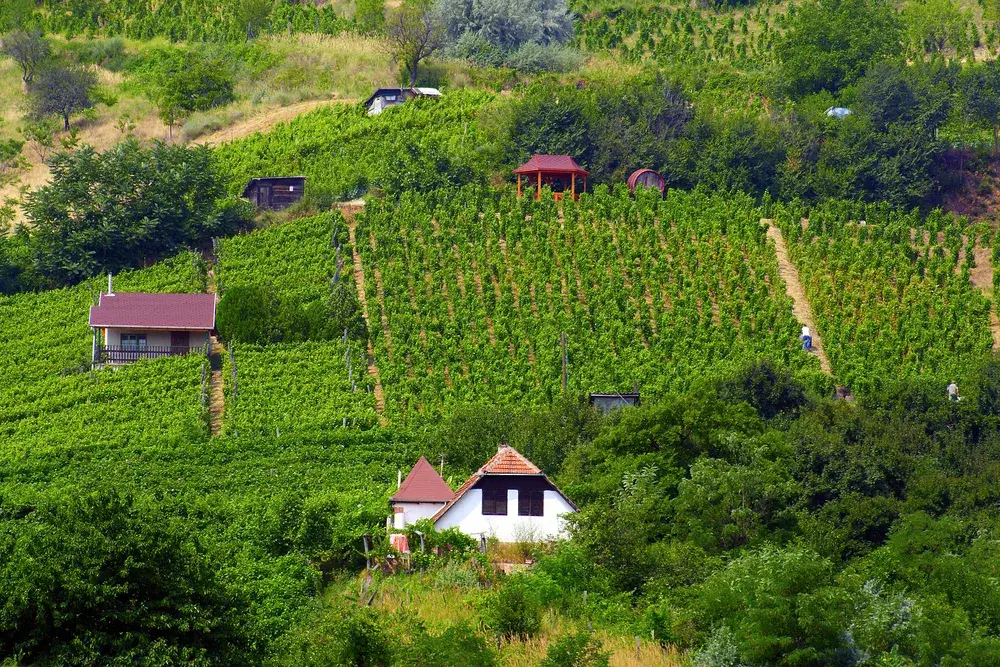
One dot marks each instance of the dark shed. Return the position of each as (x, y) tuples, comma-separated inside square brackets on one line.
[(608, 402), (646, 178), (275, 192)]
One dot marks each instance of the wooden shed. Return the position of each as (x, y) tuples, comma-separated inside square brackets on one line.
[(646, 178), (275, 192), (608, 402), (559, 172)]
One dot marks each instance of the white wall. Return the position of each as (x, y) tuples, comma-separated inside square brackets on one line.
[(154, 337), (467, 515), (413, 512)]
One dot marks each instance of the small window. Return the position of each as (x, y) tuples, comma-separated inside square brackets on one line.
[(531, 503), (134, 341), (494, 502)]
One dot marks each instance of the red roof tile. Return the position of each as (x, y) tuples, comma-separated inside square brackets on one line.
[(154, 311), (423, 485), (553, 163), (507, 461)]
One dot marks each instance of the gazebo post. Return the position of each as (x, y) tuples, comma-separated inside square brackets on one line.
[(519, 186), (585, 183), (572, 186), (538, 194)]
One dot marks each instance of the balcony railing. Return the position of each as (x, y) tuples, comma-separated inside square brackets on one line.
[(119, 354)]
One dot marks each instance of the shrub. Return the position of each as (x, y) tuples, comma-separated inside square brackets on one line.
[(246, 314), (458, 645), (512, 611), (577, 649)]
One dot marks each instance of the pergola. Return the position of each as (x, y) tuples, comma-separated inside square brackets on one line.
[(556, 171)]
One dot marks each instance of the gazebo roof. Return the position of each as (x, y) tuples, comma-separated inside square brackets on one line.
[(561, 164)]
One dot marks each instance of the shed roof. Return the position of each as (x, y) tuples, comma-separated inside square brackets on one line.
[(423, 485), (273, 179), (563, 164), (507, 461), (426, 92), (139, 310)]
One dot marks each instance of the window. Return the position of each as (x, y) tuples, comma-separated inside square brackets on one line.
[(134, 341), (531, 503), (494, 502)]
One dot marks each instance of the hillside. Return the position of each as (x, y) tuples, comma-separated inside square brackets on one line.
[(762, 502)]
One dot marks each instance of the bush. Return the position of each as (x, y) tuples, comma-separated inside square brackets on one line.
[(771, 391), (577, 649), (538, 58), (458, 645), (512, 611), (101, 578)]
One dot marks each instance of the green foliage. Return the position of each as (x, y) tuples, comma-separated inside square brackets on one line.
[(28, 49), (125, 207), (187, 81), (457, 645), (576, 649), (422, 145), (485, 318), (831, 43), (770, 390), (370, 15), (97, 576), (511, 610), (62, 90)]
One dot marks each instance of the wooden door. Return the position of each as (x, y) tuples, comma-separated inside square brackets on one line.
[(264, 195), (180, 342)]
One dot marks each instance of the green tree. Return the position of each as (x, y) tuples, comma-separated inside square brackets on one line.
[(934, 25), (511, 610), (190, 81), (830, 43), (979, 96), (126, 207), (252, 16), (413, 32), (100, 577), (370, 15), (576, 649), (62, 90), (28, 49)]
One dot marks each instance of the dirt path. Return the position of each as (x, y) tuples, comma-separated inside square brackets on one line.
[(359, 281), (263, 122), (216, 396), (793, 286), (981, 277)]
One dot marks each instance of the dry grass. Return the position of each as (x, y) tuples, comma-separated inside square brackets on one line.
[(440, 608)]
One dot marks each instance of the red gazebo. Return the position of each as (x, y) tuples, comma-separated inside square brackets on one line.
[(559, 172)]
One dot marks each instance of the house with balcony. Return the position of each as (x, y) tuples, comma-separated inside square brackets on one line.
[(130, 326)]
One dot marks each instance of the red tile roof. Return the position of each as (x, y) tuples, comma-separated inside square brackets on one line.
[(551, 163), (139, 310), (423, 485), (507, 461)]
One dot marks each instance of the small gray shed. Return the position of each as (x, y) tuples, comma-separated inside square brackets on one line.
[(275, 192)]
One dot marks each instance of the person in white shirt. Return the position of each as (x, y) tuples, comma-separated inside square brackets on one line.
[(953, 392)]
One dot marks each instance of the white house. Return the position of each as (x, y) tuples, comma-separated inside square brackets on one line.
[(420, 496), (510, 499), (129, 326)]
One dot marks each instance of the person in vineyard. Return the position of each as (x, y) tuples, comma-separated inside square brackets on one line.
[(953, 392), (807, 339)]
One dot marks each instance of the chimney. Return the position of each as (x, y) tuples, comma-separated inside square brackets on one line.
[(503, 445), (399, 478), (110, 289)]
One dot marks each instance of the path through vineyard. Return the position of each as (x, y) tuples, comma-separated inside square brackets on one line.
[(216, 395), (349, 209), (981, 277), (793, 286)]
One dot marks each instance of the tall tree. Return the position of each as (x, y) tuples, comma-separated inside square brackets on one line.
[(831, 43), (979, 95), (414, 31), (28, 49), (62, 90)]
